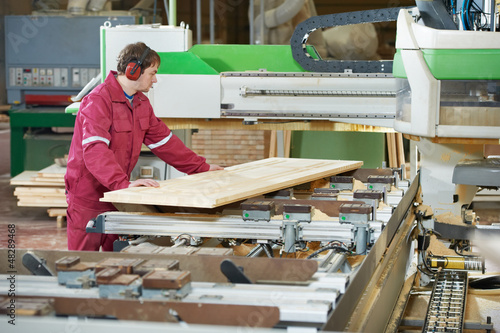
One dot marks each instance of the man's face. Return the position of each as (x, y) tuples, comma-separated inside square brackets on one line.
[(146, 80)]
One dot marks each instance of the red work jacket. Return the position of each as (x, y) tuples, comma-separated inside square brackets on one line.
[(107, 141)]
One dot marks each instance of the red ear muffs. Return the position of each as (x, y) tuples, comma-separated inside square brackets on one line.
[(134, 68), (133, 71)]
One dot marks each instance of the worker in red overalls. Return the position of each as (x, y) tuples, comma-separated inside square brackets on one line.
[(113, 122)]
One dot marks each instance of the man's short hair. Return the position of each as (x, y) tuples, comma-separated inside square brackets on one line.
[(133, 52)]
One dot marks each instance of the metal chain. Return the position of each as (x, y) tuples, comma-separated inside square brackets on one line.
[(304, 29)]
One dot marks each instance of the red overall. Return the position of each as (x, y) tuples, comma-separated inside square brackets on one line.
[(106, 144)]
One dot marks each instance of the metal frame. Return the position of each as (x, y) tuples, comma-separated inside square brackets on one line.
[(156, 225), (373, 293)]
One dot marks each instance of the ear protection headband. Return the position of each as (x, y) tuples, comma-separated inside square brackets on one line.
[(134, 68)]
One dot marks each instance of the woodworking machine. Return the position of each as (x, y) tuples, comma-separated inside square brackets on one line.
[(441, 90), (421, 93), (181, 282)]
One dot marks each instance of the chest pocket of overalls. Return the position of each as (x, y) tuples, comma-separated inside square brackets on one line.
[(121, 139), (144, 123)]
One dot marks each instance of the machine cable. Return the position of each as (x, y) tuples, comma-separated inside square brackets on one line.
[(423, 245), (302, 32), (335, 245), (268, 250)]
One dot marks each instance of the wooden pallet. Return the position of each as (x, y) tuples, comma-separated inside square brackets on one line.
[(60, 215), (217, 188)]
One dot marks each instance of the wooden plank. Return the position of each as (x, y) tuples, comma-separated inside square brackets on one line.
[(217, 188), (391, 149), (287, 138), (45, 191), (53, 180), (28, 178), (53, 171), (273, 143), (273, 148), (41, 198), (41, 203), (60, 215), (400, 150), (55, 212)]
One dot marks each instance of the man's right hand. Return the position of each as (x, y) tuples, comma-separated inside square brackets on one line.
[(144, 182)]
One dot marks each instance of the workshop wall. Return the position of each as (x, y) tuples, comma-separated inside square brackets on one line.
[(230, 147)]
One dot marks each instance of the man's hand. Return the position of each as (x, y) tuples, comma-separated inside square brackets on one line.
[(214, 167), (144, 182)]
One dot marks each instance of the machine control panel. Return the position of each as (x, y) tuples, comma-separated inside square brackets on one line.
[(50, 57), (46, 77)]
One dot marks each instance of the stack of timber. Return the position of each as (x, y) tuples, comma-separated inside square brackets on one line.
[(44, 188), (4, 117)]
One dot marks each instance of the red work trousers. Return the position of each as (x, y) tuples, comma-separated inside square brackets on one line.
[(78, 239)]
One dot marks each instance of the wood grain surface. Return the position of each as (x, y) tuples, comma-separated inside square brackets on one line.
[(216, 188)]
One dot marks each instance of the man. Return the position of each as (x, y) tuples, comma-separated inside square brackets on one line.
[(111, 125)]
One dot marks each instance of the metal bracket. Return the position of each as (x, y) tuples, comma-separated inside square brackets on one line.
[(298, 217), (36, 265), (256, 215), (96, 225), (291, 233), (233, 273)]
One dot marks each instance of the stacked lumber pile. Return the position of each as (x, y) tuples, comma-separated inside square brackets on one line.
[(4, 117), (44, 188)]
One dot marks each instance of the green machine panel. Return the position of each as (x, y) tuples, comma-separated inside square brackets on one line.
[(215, 59), (456, 64), (366, 147), (43, 148), (29, 148)]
